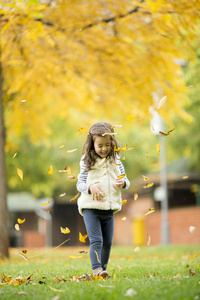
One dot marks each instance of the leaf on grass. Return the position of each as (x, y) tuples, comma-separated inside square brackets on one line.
[(151, 210), (75, 197), (145, 177), (55, 290), (157, 148), (121, 176), (137, 249), (168, 133), (17, 227), (82, 238), (119, 268), (148, 185), (130, 118), (81, 130), (123, 219), (21, 221), (37, 272), (46, 203), (74, 257), (149, 240), (50, 171), (135, 197), (64, 230), (20, 174), (124, 201), (161, 102), (192, 229), (97, 256), (14, 155), (83, 251)]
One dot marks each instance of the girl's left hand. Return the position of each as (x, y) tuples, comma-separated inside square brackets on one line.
[(120, 183)]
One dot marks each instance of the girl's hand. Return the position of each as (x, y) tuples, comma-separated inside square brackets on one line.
[(120, 183), (96, 193)]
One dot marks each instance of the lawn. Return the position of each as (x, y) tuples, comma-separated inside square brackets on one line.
[(151, 273)]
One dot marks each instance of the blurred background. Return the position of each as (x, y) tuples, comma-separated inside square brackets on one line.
[(68, 64)]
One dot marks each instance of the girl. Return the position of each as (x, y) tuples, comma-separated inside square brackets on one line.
[(100, 185)]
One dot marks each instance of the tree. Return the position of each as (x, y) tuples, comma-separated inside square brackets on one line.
[(85, 60)]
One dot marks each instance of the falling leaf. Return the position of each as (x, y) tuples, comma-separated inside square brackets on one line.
[(123, 219), (109, 133), (14, 155), (82, 238), (81, 130), (148, 185), (61, 146), (130, 118), (23, 100), (121, 176), (145, 178), (20, 174), (195, 255), (62, 195), (168, 133), (119, 268), (149, 240), (147, 154), (75, 197), (37, 272), (64, 230), (120, 149), (23, 256), (135, 197), (192, 229), (161, 102), (24, 251), (158, 149), (131, 148), (151, 210), (70, 151), (50, 171), (137, 249), (124, 201), (192, 272), (185, 177), (46, 203), (97, 256), (17, 227), (21, 221)]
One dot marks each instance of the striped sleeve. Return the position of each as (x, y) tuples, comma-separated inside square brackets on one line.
[(82, 185), (122, 172)]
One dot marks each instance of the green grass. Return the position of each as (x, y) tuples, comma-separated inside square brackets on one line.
[(153, 273)]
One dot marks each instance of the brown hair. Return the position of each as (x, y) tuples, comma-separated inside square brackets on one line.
[(98, 129)]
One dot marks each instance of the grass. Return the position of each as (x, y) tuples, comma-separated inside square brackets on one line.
[(152, 273)]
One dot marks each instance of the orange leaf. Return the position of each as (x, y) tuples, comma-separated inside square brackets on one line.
[(75, 197), (148, 185)]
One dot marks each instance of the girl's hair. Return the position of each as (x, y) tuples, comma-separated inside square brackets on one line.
[(98, 129)]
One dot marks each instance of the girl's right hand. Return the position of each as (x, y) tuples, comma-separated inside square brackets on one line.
[(96, 193)]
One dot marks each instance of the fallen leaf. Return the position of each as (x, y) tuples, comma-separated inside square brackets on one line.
[(137, 249), (75, 197), (50, 171), (145, 177), (37, 272), (20, 174), (165, 134), (135, 197), (161, 102), (124, 201), (192, 229), (151, 210), (123, 219), (192, 272), (195, 255), (82, 238), (148, 185), (21, 221), (97, 256), (64, 230), (17, 227), (55, 290), (81, 130), (149, 240), (74, 257), (83, 251), (14, 155), (119, 268), (158, 148)]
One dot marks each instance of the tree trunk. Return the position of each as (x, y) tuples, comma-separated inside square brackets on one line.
[(4, 233)]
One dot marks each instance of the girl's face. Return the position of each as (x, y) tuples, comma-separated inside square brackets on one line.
[(102, 145)]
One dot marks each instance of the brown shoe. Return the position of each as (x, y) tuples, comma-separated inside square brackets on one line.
[(104, 274)]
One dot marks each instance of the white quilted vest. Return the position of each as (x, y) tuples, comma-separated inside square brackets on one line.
[(103, 174)]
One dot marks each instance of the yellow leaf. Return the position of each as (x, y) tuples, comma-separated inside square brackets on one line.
[(123, 219), (74, 257), (149, 240), (165, 134), (130, 118), (81, 130), (46, 203), (124, 201), (55, 290), (145, 178), (147, 154), (17, 227), (193, 256), (120, 149), (23, 256), (109, 133), (14, 155), (158, 149), (185, 177), (151, 210), (21, 221), (131, 148), (50, 171), (82, 238), (97, 256), (20, 174), (75, 197), (135, 197), (64, 230), (148, 185)]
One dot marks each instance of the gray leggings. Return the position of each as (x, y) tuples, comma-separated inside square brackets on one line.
[(100, 228)]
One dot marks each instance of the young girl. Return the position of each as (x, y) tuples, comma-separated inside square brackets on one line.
[(100, 185)]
